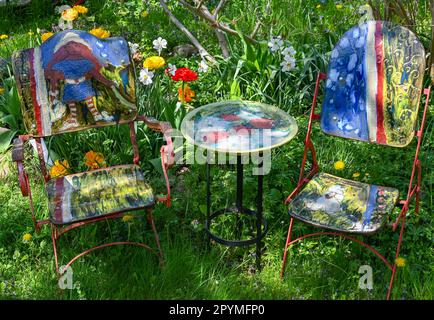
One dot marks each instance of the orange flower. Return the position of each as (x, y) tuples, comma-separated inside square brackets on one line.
[(94, 160), (100, 33), (69, 14), (187, 95)]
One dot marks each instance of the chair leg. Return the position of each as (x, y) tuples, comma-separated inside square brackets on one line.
[(150, 219), (285, 253), (392, 279), (54, 240)]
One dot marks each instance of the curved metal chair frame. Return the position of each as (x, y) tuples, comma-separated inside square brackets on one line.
[(304, 178)]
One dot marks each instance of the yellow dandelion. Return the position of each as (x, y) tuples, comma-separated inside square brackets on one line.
[(46, 35), (80, 9), (356, 174), (127, 218), (3, 36), (318, 6), (27, 237), (339, 6), (154, 62), (100, 33), (339, 165), (400, 262), (70, 14), (144, 14)]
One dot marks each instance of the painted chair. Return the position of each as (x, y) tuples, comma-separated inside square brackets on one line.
[(372, 94), (72, 82)]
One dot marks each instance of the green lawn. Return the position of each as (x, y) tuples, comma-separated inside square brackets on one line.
[(318, 268)]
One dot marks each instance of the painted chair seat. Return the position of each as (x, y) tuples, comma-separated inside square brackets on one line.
[(87, 195), (343, 205)]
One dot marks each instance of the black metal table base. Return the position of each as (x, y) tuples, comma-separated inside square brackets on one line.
[(239, 210)]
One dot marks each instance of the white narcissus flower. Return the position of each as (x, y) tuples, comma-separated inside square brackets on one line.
[(178, 106), (146, 76), (134, 47), (171, 68), (275, 43), (288, 63), (203, 67), (289, 51), (159, 44)]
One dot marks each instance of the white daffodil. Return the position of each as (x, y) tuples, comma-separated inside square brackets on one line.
[(275, 43), (134, 47), (159, 44), (171, 68), (288, 63), (146, 76), (203, 67), (178, 106), (289, 51)]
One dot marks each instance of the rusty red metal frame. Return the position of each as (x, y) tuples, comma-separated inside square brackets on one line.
[(413, 189), (167, 160)]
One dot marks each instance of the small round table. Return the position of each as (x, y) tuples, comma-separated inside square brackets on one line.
[(238, 128)]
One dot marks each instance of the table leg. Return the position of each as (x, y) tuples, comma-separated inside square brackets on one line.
[(239, 200), (259, 217)]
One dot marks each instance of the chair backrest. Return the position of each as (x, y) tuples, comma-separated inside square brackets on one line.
[(374, 84), (75, 81)]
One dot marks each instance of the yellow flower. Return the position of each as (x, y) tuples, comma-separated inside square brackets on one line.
[(27, 237), (339, 6), (154, 62), (70, 14), (318, 6), (46, 35), (127, 218), (339, 165), (144, 14), (400, 262), (59, 169), (356, 174), (367, 174), (2, 90), (94, 160), (100, 33), (80, 9), (3, 36)]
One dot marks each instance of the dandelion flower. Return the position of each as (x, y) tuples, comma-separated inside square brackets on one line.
[(356, 174), (100, 33), (46, 35), (339, 165), (144, 13), (70, 14), (154, 62), (275, 43), (3, 36), (146, 76), (94, 160), (60, 169), (127, 218), (400, 262), (80, 9), (27, 237), (318, 6), (159, 44), (203, 67)]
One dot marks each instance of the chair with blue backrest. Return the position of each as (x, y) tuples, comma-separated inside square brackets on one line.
[(75, 81), (373, 89)]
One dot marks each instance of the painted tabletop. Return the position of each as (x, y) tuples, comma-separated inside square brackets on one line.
[(238, 127)]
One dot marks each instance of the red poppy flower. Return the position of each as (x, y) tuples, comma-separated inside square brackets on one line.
[(184, 74)]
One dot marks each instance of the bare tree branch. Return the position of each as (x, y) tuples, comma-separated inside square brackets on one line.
[(218, 8), (202, 51)]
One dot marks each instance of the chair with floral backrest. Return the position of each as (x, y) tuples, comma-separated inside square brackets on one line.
[(373, 89), (72, 82)]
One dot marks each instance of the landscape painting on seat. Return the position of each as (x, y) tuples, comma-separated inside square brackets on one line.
[(75, 81), (374, 83)]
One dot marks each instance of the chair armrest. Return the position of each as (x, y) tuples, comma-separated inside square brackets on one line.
[(18, 157), (167, 150)]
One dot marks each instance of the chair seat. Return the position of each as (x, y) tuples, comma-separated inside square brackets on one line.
[(343, 205), (92, 194)]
